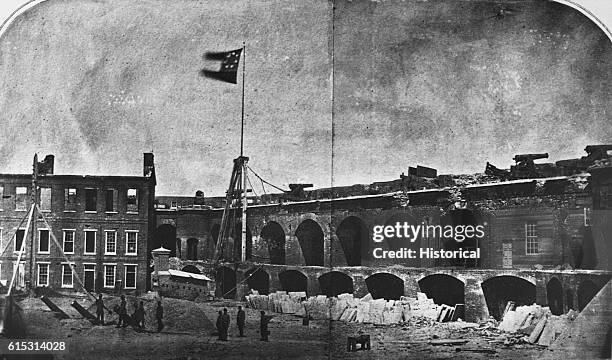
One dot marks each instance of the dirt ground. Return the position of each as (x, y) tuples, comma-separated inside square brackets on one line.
[(189, 335)]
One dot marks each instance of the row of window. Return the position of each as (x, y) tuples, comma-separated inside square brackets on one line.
[(90, 238), (71, 199), (89, 272)]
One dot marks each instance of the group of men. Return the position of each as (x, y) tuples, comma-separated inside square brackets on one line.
[(223, 322), (137, 320)]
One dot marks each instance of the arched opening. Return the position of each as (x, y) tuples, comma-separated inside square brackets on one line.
[(443, 289), (586, 292), (569, 299), (191, 269), (311, 239), (274, 237), (165, 236), (405, 240), (554, 295), (292, 280), (498, 290), (335, 283), (460, 219), (259, 280), (237, 236), (353, 235), (192, 249), (225, 280), (385, 286)]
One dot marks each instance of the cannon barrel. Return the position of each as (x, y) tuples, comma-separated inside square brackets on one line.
[(523, 157), (597, 148)]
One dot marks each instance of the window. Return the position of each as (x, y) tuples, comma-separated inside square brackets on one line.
[(90, 242), (43, 241), (130, 276), (132, 201), (45, 199), (111, 200), (531, 239), (109, 275), (70, 199), (131, 242), (43, 274), (67, 281), (110, 247), (91, 200), (21, 198), (69, 241), (19, 239)]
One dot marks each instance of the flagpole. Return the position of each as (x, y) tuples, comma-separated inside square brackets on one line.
[(243, 227), (242, 115)]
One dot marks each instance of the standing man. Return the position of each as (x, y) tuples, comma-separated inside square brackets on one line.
[(225, 322), (220, 325), (159, 314), (100, 309), (240, 320), (141, 315), (263, 326), (122, 313)]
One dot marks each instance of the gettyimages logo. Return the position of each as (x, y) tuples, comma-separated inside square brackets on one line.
[(408, 234)]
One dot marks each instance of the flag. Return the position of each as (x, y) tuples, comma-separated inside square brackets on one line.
[(229, 66)]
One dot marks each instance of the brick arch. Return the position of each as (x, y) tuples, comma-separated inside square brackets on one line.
[(385, 285), (293, 280), (311, 238), (528, 278), (443, 289), (456, 275), (334, 283), (258, 279), (498, 290), (274, 236), (353, 235), (396, 243)]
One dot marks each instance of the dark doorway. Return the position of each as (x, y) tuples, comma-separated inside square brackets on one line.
[(292, 280), (353, 235), (554, 295), (586, 292), (385, 286), (192, 249), (335, 283), (311, 239), (274, 237), (191, 269), (259, 280), (443, 289), (165, 236), (499, 290), (226, 282)]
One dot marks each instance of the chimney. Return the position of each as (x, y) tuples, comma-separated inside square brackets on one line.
[(148, 166)]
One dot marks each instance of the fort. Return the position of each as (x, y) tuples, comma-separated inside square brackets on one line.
[(544, 238)]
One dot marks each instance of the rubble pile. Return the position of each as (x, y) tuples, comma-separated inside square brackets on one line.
[(347, 308), (534, 324)]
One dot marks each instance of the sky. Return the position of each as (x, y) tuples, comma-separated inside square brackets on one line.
[(439, 83)]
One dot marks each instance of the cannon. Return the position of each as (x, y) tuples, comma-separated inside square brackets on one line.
[(529, 157)]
